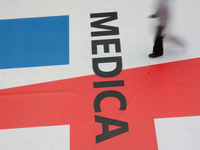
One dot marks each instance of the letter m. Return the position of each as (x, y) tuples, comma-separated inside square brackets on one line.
[(110, 30)]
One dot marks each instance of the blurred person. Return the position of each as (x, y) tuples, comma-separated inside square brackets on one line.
[(162, 13)]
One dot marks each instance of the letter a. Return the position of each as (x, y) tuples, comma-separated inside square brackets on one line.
[(110, 134)]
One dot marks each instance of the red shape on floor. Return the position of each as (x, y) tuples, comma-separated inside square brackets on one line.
[(157, 91)]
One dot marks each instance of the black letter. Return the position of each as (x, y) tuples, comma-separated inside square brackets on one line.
[(106, 43), (110, 134), (108, 84), (98, 24), (105, 94), (115, 72)]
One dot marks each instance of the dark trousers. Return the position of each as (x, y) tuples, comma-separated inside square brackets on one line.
[(158, 44)]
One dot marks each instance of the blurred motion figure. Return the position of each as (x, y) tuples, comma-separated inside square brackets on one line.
[(162, 13)]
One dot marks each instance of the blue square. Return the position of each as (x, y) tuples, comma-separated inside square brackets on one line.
[(33, 42)]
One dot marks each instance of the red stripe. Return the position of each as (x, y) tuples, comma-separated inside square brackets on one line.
[(159, 91)]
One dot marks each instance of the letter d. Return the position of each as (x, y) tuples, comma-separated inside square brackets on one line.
[(112, 73)]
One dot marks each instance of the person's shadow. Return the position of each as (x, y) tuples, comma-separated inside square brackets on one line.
[(176, 40)]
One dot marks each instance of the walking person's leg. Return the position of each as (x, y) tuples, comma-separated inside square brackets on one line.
[(158, 45)]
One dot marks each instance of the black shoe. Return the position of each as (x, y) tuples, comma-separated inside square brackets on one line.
[(158, 47), (154, 55)]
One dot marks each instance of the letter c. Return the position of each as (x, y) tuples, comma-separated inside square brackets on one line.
[(110, 93)]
